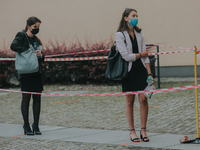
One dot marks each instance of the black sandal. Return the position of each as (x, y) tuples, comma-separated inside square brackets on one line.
[(144, 139), (135, 139)]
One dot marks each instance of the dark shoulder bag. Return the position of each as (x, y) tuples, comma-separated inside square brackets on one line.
[(117, 68)]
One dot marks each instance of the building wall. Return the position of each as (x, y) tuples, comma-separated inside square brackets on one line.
[(167, 22)]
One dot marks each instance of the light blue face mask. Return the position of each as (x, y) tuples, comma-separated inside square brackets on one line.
[(134, 22)]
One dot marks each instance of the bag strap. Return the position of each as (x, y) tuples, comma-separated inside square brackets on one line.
[(124, 37), (27, 37)]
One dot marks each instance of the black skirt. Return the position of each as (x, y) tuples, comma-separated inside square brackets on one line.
[(31, 83), (136, 80)]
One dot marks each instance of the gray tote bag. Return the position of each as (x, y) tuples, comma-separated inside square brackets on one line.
[(27, 61)]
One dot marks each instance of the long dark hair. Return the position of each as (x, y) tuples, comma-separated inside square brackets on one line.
[(30, 22), (123, 24)]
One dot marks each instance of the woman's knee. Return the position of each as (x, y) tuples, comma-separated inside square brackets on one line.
[(130, 99), (26, 96), (36, 97), (142, 99)]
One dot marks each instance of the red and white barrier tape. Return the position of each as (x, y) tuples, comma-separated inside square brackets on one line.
[(94, 51), (106, 50), (7, 59), (77, 59), (64, 59), (106, 57), (170, 46), (161, 53), (93, 58), (111, 94)]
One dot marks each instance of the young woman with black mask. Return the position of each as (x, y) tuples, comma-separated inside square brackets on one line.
[(32, 82)]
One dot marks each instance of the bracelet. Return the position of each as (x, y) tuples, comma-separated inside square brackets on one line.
[(140, 55), (151, 74)]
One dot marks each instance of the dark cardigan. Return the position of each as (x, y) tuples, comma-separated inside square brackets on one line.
[(21, 44)]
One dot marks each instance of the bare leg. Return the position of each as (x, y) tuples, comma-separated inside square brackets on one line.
[(143, 113), (129, 115)]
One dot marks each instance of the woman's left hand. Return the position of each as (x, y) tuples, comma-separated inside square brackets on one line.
[(152, 79), (38, 53)]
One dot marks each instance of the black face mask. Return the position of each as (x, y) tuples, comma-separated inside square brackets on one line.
[(35, 31)]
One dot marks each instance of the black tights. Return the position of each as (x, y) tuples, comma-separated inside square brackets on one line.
[(25, 109)]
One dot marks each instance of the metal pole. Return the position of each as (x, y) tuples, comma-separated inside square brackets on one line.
[(158, 67), (0, 73), (197, 141)]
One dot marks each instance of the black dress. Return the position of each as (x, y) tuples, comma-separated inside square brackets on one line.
[(32, 82), (137, 76)]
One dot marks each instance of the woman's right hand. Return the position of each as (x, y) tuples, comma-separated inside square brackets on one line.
[(39, 54), (145, 53)]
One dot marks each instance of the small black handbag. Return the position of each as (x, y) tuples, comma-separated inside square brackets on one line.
[(117, 67)]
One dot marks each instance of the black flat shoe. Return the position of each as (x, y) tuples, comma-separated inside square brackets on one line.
[(144, 139), (135, 139), (36, 130), (27, 131)]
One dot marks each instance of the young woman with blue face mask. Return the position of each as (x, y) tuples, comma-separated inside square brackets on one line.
[(134, 52)]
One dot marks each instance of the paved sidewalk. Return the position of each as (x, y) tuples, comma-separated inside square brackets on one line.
[(100, 137)]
